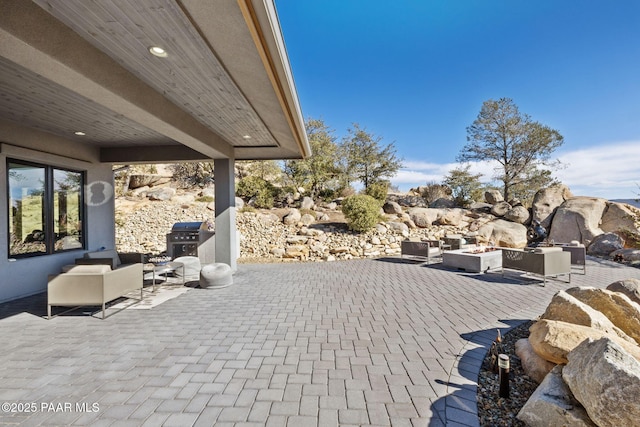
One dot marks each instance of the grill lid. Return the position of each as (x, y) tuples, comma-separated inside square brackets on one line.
[(189, 226)]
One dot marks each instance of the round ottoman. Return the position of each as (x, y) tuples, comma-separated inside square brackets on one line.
[(215, 276), (191, 267)]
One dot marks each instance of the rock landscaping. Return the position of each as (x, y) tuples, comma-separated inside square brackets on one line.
[(309, 230), (587, 341)]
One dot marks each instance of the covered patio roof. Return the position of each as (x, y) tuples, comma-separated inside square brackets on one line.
[(223, 90)]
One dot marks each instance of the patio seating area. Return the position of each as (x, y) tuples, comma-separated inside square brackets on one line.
[(367, 342)]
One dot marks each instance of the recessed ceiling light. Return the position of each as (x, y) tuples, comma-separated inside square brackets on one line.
[(79, 133), (246, 136), (158, 51)]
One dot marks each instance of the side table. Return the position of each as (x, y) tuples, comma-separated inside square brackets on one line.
[(160, 269)]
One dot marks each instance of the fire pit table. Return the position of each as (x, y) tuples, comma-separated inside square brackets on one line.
[(472, 260)]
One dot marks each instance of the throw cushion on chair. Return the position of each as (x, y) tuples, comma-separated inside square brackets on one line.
[(544, 250), (89, 269)]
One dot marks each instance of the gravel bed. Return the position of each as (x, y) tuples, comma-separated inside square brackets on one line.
[(493, 410)]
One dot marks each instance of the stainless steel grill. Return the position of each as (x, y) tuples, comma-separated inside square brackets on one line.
[(186, 231), (191, 239)]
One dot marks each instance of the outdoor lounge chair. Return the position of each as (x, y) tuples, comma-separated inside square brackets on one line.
[(542, 261), (425, 250)]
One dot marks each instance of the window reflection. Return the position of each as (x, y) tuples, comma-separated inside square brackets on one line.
[(67, 204), (26, 209), (45, 209)]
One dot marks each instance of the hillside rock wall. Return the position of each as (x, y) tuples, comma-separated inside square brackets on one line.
[(146, 216)]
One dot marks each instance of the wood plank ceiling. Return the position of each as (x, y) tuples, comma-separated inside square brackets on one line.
[(191, 77)]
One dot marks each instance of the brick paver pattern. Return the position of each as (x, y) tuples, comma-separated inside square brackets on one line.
[(369, 342)]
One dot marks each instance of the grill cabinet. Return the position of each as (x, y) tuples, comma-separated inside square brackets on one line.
[(191, 239)]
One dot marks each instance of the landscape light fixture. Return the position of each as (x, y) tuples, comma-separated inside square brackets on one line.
[(158, 51)]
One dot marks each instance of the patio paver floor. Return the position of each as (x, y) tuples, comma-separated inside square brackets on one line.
[(367, 342)]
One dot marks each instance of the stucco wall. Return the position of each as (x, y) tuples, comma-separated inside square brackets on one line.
[(28, 276)]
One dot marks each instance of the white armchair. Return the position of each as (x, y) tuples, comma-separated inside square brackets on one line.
[(92, 285)]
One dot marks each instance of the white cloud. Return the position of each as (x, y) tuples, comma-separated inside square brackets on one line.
[(610, 171), (416, 173), (414, 177), (419, 165)]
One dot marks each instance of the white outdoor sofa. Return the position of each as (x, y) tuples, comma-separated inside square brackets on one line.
[(93, 285)]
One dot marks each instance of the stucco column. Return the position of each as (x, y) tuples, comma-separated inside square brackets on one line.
[(227, 244)]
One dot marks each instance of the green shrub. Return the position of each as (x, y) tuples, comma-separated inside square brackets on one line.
[(328, 194), (258, 189), (362, 212), (434, 191), (378, 190)]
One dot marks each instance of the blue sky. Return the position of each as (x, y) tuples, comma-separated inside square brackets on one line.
[(416, 72)]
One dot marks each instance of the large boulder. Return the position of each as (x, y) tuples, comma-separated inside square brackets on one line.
[(423, 217), (442, 203), (546, 201), (143, 180), (480, 206), (553, 340), (578, 219), (534, 366), (162, 193), (267, 218), (399, 228), (504, 233), (411, 201), (566, 308), (620, 217), (480, 221), (307, 203), (622, 312), (518, 214), (605, 379), (627, 254), (493, 196), (450, 217), (553, 404), (292, 217), (605, 243), (500, 208), (307, 219), (392, 208), (629, 287)]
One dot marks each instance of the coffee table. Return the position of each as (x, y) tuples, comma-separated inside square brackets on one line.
[(471, 261), (160, 269)]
